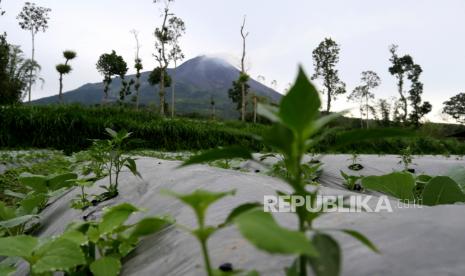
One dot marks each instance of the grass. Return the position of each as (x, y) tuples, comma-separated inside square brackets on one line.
[(71, 128)]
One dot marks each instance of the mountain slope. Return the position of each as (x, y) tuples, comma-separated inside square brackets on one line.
[(197, 81)]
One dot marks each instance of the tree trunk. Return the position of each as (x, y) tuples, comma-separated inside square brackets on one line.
[(60, 95), (162, 92), (328, 103), (367, 109), (243, 102), (361, 112), (403, 99), (173, 83), (243, 92), (32, 65), (137, 89)]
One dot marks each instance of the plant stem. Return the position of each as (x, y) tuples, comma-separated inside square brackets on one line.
[(206, 258)]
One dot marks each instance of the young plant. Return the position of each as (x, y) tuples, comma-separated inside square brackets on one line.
[(352, 181), (104, 243), (82, 202), (114, 155), (44, 187), (199, 201), (406, 159), (297, 129), (355, 166), (44, 256), (14, 221)]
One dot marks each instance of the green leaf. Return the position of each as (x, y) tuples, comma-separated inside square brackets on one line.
[(240, 210), (204, 233), (131, 165), (218, 154), (17, 246), (115, 217), (355, 136), (58, 255), (261, 230), (125, 248), (6, 212), (300, 107), (199, 200), (328, 262), (37, 182), (442, 190), (32, 202), (361, 238), (106, 266), (6, 270), (74, 236), (268, 111), (397, 184), (324, 120), (17, 221), (458, 175), (293, 270), (14, 194), (280, 138), (111, 132), (423, 178), (148, 226), (56, 182)]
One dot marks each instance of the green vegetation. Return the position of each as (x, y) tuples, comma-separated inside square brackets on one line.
[(94, 247), (297, 128), (71, 128), (423, 189)]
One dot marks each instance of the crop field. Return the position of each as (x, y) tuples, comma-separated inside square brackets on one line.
[(113, 171), (127, 154)]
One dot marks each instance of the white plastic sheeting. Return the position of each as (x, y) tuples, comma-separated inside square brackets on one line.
[(421, 241)]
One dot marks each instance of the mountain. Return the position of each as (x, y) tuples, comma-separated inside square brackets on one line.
[(197, 81)]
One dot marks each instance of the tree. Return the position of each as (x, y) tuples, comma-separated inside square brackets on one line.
[(455, 107), (63, 69), (14, 73), (419, 109), (138, 66), (164, 36), (401, 66), (243, 78), (405, 68), (240, 88), (384, 110), (110, 65), (325, 58), (363, 94), (34, 19), (155, 79), (177, 29)]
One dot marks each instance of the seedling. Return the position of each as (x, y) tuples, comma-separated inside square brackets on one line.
[(44, 256), (406, 159), (82, 202), (351, 181), (355, 166), (110, 156), (85, 248), (200, 201), (296, 130)]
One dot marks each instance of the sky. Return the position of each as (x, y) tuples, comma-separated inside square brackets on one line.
[(282, 36)]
